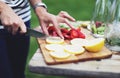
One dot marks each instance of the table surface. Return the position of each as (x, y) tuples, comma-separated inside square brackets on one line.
[(105, 68)]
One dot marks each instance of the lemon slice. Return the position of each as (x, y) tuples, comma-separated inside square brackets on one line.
[(79, 41), (54, 47), (74, 49), (60, 54), (54, 40), (95, 45)]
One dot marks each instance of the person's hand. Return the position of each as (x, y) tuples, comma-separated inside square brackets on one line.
[(64, 18), (11, 21), (47, 18)]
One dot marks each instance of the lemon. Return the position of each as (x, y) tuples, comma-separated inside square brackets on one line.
[(74, 49), (95, 45), (53, 47), (60, 54), (54, 40), (79, 41)]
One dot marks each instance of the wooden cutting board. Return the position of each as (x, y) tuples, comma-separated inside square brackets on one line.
[(104, 53)]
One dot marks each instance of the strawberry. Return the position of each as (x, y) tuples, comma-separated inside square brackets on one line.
[(54, 33), (74, 33), (98, 23), (66, 36), (81, 35), (51, 29), (78, 29), (64, 30)]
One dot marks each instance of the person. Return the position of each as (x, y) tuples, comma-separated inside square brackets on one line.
[(14, 44)]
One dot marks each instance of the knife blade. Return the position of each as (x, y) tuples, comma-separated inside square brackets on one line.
[(36, 34)]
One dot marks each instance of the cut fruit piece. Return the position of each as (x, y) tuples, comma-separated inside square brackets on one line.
[(74, 49), (60, 54), (79, 42), (54, 40), (54, 47), (95, 45)]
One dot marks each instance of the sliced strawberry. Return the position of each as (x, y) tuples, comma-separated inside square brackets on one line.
[(64, 30), (81, 35), (78, 29), (74, 33), (66, 36), (51, 29), (54, 33)]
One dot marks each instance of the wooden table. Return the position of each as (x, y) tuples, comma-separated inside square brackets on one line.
[(105, 68)]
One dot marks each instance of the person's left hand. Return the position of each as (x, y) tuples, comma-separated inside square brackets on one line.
[(47, 18)]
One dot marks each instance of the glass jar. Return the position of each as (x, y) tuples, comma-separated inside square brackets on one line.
[(112, 31), (98, 21)]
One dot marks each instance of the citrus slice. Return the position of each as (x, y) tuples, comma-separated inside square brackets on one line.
[(79, 41), (74, 49), (54, 40), (95, 45), (60, 54), (53, 47)]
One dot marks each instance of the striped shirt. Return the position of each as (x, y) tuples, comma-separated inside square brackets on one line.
[(20, 7)]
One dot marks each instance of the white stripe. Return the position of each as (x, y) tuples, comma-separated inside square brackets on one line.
[(12, 3), (26, 14), (19, 11)]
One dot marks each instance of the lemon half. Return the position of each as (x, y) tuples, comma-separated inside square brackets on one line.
[(95, 45), (74, 49), (54, 40)]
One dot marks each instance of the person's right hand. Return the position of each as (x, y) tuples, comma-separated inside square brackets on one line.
[(10, 20), (46, 19)]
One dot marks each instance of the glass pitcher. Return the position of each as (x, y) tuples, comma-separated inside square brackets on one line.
[(98, 21), (112, 31)]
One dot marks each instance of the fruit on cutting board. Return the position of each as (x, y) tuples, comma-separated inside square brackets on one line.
[(54, 40), (67, 33), (72, 49), (60, 54), (54, 47), (95, 45)]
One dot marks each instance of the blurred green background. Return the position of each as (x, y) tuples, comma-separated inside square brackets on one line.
[(79, 9)]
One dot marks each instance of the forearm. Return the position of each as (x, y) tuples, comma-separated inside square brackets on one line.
[(38, 10), (33, 2), (2, 6)]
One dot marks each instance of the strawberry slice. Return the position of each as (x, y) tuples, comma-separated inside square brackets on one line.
[(54, 34), (74, 33), (66, 36), (51, 29), (81, 35), (64, 30)]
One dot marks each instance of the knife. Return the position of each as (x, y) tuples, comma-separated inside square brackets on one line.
[(30, 32), (34, 33)]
